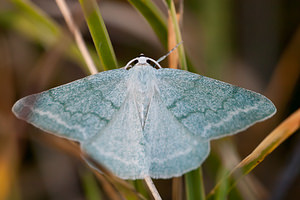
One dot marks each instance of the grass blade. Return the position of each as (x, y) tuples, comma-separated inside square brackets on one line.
[(77, 35), (140, 188), (154, 17), (216, 17), (173, 16), (177, 188), (194, 185), (90, 186), (248, 187), (99, 34), (152, 188), (271, 142), (123, 187), (221, 193), (34, 24), (158, 23)]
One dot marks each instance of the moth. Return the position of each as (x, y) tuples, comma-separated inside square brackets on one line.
[(144, 120)]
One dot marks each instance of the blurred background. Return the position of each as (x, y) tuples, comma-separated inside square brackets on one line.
[(250, 43)]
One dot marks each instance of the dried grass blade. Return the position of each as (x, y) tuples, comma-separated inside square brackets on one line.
[(77, 35), (271, 142), (173, 15), (152, 188)]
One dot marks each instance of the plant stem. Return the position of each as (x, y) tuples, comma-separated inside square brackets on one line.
[(78, 37), (194, 185), (152, 188)]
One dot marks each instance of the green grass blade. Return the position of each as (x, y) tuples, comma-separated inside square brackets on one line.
[(90, 186), (154, 17), (140, 187), (194, 185), (34, 24), (99, 34), (157, 21), (222, 191), (218, 33), (216, 20)]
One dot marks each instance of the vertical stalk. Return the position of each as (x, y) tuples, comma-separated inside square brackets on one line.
[(152, 188), (173, 16), (194, 185), (99, 33), (77, 35)]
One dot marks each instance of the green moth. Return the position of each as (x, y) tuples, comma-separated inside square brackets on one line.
[(141, 120)]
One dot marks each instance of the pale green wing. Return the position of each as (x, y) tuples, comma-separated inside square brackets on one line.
[(77, 110), (164, 148), (210, 108), (172, 149), (120, 146)]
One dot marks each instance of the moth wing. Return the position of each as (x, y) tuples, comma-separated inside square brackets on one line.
[(171, 148), (120, 146), (164, 148), (77, 110), (210, 108)]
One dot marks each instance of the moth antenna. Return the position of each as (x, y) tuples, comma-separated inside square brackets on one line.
[(166, 55)]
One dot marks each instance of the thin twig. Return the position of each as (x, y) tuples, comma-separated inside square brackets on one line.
[(77, 35), (152, 188)]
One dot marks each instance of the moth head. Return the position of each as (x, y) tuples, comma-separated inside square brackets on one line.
[(142, 60)]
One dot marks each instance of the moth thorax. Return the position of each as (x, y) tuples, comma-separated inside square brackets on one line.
[(142, 85), (143, 96)]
